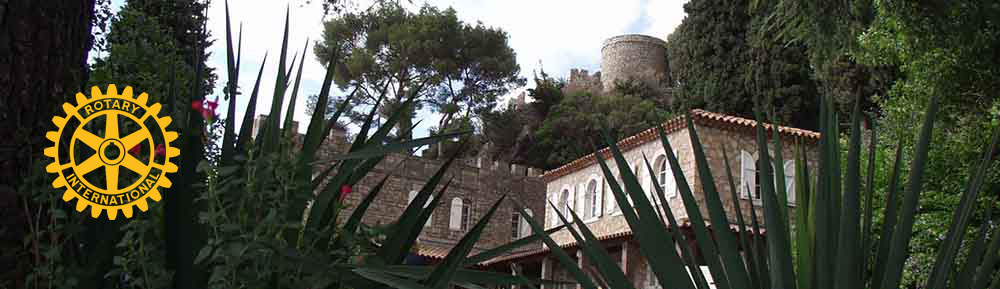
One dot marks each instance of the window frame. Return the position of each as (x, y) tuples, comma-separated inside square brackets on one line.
[(617, 210), (595, 198), (455, 214), (563, 202), (789, 173)]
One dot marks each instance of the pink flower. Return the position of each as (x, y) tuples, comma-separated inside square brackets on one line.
[(344, 191), (207, 108), (136, 150), (212, 105), (160, 150)]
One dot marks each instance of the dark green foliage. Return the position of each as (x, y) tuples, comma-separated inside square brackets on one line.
[(721, 58), (510, 131), (185, 21), (566, 131), (446, 147), (558, 125), (385, 51), (151, 43)]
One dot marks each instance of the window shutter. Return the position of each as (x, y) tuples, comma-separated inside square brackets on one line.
[(598, 199), (525, 228), (747, 174), (790, 181), (571, 202), (671, 180), (596, 210), (589, 200), (455, 218), (609, 197), (466, 217)]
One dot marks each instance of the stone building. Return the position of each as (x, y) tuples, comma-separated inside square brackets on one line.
[(580, 185), (475, 185)]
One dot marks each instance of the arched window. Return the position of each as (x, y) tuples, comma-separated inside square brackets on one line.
[(665, 175), (564, 206), (413, 195), (461, 215), (592, 201), (750, 176)]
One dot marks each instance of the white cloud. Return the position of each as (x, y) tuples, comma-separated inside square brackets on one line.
[(664, 16), (561, 34)]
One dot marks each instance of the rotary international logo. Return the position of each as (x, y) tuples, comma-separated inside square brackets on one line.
[(118, 152)]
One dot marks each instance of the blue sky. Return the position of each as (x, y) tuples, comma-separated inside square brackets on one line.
[(554, 34)]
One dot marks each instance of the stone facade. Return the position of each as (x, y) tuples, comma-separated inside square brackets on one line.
[(633, 56), (608, 221), (569, 185), (477, 182)]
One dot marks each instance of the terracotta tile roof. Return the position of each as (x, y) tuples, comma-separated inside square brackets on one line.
[(626, 234), (618, 235), (432, 251), (698, 116)]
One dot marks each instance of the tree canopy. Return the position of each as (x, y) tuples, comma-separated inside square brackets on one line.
[(454, 67), (721, 60), (560, 126)]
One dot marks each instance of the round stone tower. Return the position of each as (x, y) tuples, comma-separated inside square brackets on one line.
[(634, 56)]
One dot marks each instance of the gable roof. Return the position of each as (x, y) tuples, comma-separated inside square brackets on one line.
[(698, 117)]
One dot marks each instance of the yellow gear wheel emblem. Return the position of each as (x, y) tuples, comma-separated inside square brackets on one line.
[(105, 131)]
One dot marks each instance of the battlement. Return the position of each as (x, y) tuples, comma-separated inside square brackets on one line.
[(583, 80), (635, 39)]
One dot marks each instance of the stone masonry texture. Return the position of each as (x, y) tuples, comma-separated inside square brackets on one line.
[(477, 182), (633, 56), (713, 141)]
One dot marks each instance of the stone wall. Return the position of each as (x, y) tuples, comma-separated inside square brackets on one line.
[(581, 80), (476, 181), (714, 140), (633, 56)]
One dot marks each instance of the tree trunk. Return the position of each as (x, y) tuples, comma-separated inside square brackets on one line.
[(43, 63)]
